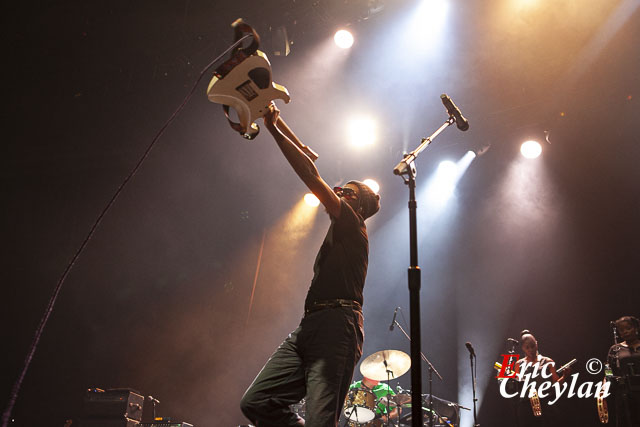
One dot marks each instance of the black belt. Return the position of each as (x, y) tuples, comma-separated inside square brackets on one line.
[(331, 303)]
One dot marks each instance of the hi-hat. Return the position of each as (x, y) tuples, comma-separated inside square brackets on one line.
[(385, 364)]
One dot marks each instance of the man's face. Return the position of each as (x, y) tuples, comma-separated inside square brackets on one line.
[(352, 197)]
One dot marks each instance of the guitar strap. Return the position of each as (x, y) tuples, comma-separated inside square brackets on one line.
[(238, 55)]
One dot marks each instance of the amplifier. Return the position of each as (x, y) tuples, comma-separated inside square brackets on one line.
[(115, 403), (123, 422), (166, 424)]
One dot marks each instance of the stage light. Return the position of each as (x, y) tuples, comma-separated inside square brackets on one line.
[(362, 131), (343, 39), (447, 170), (311, 200), (444, 183), (373, 185), (428, 20), (530, 149)]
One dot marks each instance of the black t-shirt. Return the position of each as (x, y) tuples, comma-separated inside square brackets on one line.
[(340, 268), (626, 404)]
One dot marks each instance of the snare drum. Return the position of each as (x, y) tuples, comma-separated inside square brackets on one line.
[(360, 406)]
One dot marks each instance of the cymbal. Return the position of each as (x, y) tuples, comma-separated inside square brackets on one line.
[(402, 398), (385, 364)]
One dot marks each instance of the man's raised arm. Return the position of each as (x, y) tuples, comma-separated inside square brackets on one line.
[(301, 163)]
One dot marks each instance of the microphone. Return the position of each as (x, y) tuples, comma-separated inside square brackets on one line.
[(515, 341), (393, 321), (470, 348), (461, 122)]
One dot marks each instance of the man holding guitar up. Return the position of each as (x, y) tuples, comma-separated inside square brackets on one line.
[(316, 361)]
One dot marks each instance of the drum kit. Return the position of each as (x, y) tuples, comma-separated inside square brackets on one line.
[(361, 403)]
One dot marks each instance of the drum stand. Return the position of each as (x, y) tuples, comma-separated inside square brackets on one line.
[(432, 369)]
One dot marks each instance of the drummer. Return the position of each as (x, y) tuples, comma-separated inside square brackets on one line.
[(382, 392)]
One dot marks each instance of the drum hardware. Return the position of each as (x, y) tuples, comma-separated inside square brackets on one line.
[(377, 422), (445, 413), (415, 279), (383, 366), (360, 405), (300, 408), (406, 420)]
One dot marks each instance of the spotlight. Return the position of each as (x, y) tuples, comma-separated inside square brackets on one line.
[(428, 21), (362, 131), (343, 39), (311, 200), (373, 185), (447, 170), (443, 184), (530, 149)]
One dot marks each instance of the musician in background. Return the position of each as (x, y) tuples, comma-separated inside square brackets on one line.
[(525, 412), (624, 360), (316, 361), (383, 395)]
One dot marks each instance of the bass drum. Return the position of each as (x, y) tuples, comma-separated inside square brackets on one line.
[(360, 406)]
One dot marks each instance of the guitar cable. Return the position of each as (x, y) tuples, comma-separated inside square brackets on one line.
[(54, 296)]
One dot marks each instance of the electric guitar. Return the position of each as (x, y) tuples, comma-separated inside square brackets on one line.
[(249, 90), (244, 83)]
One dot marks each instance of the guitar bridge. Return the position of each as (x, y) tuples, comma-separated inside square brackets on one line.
[(247, 91)]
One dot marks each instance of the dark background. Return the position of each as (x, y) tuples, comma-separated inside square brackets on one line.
[(159, 300)]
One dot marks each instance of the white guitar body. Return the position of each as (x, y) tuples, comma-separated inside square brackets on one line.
[(248, 89)]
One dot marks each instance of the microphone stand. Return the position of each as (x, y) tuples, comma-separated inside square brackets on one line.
[(473, 386), (407, 170), (624, 389), (511, 352)]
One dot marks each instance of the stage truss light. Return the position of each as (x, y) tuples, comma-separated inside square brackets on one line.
[(311, 200), (372, 184), (531, 149), (362, 131), (343, 39)]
